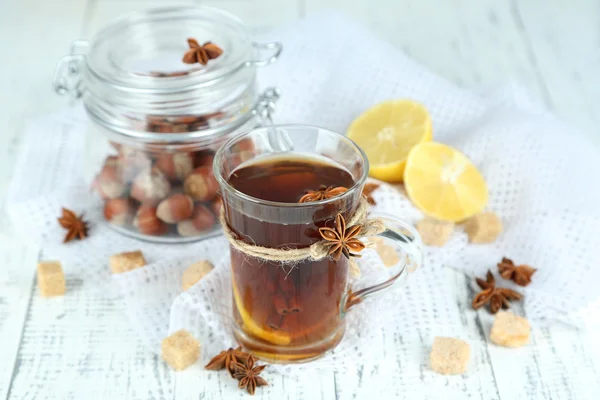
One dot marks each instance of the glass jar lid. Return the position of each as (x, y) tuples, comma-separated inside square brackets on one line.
[(133, 80), (132, 52)]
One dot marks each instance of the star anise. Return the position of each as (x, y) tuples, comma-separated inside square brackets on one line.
[(201, 54), (76, 227), (519, 274), (343, 240), (324, 192), (248, 375), (227, 359), (496, 296), (368, 190)]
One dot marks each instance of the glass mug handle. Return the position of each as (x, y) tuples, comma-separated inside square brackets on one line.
[(405, 244)]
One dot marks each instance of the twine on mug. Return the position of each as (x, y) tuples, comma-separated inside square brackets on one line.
[(316, 251)]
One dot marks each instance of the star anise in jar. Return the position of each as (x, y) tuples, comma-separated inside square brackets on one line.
[(342, 240), (227, 359), (368, 190), (496, 296), (323, 193), (201, 53), (519, 274), (248, 375), (76, 227)]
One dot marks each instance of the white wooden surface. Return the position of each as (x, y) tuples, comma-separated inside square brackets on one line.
[(81, 346)]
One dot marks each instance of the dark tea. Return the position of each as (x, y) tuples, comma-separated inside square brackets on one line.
[(288, 312)]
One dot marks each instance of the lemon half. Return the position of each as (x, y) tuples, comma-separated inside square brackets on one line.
[(252, 327), (387, 132), (443, 182)]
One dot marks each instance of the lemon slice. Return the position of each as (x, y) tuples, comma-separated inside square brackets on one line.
[(443, 183), (387, 133), (252, 327)]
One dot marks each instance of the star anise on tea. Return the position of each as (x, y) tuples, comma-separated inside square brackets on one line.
[(342, 240), (76, 227), (248, 375), (227, 359), (368, 190), (496, 296), (519, 274), (323, 193), (201, 53)]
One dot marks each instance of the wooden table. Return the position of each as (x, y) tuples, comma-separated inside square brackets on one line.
[(82, 347)]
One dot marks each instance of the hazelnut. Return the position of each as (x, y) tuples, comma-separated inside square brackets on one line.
[(150, 187), (118, 211), (201, 184), (202, 218), (201, 221), (148, 223), (132, 162), (175, 208), (175, 166), (204, 159), (217, 205), (108, 182), (187, 228), (115, 145)]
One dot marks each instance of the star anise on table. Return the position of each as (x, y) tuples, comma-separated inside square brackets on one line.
[(323, 193), (519, 274), (497, 297), (201, 54), (368, 190), (248, 375), (76, 227), (343, 240), (227, 359)]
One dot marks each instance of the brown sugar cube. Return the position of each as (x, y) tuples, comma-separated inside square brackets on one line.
[(51, 279), (180, 350), (510, 330), (449, 356), (434, 232), (194, 273), (127, 261), (483, 228)]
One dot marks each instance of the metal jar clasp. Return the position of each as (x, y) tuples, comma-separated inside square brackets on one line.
[(277, 47), (67, 75)]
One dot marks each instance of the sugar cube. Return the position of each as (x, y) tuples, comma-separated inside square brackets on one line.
[(483, 228), (51, 278), (194, 273), (449, 356), (127, 261), (510, 330), (180, 350), (434, 232)]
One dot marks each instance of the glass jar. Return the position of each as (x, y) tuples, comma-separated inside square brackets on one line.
[(155, 122)]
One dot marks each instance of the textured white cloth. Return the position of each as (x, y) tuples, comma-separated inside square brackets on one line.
[(539, 171)]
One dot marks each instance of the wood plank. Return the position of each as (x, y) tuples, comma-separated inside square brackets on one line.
[(16, 284), (471, 43), (564, 45), (259, 16), (82, 345), (26, 79)]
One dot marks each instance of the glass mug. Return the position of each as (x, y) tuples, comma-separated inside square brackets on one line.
[(294, 311)]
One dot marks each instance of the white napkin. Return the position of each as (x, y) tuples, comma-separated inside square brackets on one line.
[(540, 173)]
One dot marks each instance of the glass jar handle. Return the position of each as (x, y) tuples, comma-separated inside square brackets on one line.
[(405, 248), (277, 47)]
